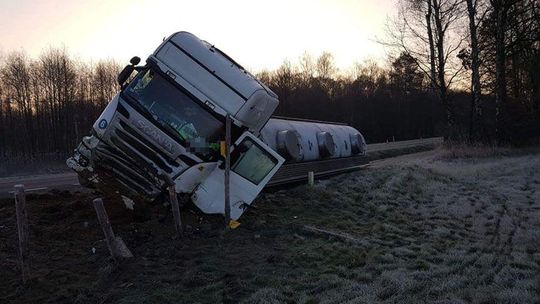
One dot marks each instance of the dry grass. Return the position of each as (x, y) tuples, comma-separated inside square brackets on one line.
[(466, 151), (463, 151)]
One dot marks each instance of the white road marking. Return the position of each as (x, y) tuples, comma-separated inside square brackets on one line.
[(31, 189)]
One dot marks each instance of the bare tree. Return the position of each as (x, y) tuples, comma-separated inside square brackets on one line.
[(427, 31), (431, 42), (45, 103), (476, 88), (325, 66), (284, 83), (307, 66), (500, 11), (104, 80), (16, 76), (56, 73)]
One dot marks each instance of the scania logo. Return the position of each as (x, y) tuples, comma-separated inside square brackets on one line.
[(152, 132)]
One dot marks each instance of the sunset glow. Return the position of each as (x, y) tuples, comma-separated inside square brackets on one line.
[(260, 34)]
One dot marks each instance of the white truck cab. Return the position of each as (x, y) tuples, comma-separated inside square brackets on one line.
[(221, 83), (168, 122)]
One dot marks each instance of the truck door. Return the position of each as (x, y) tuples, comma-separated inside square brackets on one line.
[(253, 164)]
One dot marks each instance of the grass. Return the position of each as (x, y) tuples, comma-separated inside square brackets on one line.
[(436, 230), (452, 150)]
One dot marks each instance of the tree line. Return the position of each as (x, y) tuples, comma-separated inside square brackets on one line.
[(465, 69), (489, 47), (384, 103), (47, 104)]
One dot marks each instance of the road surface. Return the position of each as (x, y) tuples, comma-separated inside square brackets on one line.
[(69, 181), (39, 183)]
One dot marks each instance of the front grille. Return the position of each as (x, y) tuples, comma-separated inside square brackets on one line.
[(147, 143), (123, 137), (126, 170), (133, 161)]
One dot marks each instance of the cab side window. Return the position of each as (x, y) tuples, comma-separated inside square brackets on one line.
[(252, 162)]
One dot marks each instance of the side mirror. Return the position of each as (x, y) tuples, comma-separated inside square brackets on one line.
[(124, 75), (126, 72), (135, 60)]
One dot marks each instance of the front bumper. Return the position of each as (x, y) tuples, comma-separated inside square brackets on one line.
[(113, 167)]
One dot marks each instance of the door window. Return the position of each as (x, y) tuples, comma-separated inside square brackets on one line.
[(251, 161)]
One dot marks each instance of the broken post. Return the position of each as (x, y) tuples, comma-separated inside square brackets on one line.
[(175, 210), (337, 234), (175, 207), (117, 247), (22, 229), (311, 178), (227, 170)]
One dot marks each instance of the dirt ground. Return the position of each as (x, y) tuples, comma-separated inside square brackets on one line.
[(424, 229)]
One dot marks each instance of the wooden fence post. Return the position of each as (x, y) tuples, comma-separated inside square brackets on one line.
[(175, 210), (227, 170), (22, 230), (117, 247)]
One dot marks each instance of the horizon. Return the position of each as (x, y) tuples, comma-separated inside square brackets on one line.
[(96, 31)]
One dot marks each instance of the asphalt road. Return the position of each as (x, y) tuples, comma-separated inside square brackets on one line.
[(39, 183), (69, 181)]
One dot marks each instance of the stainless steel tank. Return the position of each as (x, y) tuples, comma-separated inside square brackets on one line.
[(301, 141)]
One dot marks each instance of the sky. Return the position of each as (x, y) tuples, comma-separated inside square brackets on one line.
[(257, 34)]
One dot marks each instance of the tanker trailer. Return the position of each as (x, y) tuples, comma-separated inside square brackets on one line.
[(167, 124)]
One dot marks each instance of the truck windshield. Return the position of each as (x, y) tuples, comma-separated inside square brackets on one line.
[(176, 111)]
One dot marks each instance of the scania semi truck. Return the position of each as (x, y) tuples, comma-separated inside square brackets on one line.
[(167, 125)]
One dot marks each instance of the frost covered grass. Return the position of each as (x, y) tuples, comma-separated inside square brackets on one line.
[(421, 230), (431, 230), (450, 151)]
